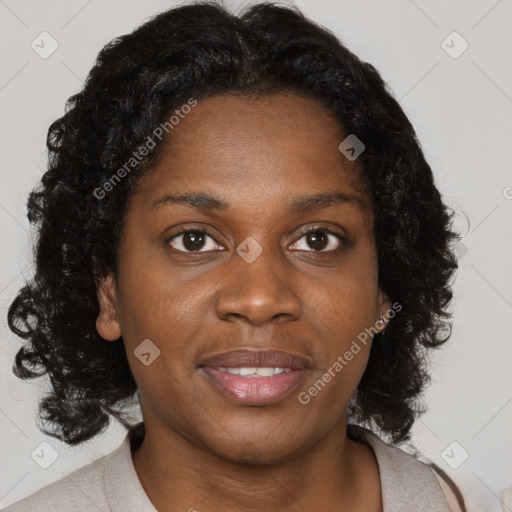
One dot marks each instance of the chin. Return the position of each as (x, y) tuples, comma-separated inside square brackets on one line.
[(268, 448)]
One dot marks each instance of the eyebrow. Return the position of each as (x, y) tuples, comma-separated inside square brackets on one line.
[(302, 204)]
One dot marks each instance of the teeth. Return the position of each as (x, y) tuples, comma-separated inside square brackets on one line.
[(255, 372), (265, 372), (247, 371)]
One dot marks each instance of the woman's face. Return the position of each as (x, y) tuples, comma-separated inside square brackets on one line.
[(246, 275)]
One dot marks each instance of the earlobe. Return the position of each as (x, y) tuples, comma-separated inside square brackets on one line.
[(384, 308), (107, 324), (109, 330)]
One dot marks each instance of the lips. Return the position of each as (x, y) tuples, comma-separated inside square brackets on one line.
[(254, 377), (256, 359)]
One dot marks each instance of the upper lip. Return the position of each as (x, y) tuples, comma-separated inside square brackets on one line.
[(243, 358)]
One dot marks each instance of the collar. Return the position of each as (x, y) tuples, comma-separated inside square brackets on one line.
[(407, 484), (122, 485)]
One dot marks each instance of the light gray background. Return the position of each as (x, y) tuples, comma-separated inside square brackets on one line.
[(461, 109)]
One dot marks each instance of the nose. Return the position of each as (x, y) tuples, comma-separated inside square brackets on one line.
[(258, 292)]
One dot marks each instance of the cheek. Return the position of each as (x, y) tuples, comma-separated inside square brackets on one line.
[(343, 312), (342, 351), (155, 300), (343, 308), (161, 329)]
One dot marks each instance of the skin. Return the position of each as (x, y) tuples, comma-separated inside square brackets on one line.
[(203, 451)]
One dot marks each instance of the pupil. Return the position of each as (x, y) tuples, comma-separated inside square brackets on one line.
[(195, 238), (317, 240)]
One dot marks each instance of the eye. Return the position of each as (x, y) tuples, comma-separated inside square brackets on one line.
[(192, 240), (321, 240), (199, 240)]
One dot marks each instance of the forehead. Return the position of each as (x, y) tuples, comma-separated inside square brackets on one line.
[(254, 149)]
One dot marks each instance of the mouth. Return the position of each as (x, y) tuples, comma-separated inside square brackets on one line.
[(253, 377)]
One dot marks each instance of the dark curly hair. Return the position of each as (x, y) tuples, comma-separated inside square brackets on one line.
[(200, 50)]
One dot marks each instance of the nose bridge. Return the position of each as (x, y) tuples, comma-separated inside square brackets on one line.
[(256, 286)]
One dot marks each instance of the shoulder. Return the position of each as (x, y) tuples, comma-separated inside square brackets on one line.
[(110, 483), (82, 490), (450, 489), (407, 483)]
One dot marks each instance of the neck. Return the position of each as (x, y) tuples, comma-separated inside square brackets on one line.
[(178, 475)]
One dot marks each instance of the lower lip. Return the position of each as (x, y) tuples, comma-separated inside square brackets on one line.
[(256, 390)]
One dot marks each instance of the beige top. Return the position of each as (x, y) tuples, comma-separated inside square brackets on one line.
[(110, 483)]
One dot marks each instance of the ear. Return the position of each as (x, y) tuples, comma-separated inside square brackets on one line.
[(107, 323), (384, 305)]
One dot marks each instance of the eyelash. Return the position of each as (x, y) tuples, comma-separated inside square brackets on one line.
[(343, 241)]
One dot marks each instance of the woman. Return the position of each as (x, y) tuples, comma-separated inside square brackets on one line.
[(239, 228)]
